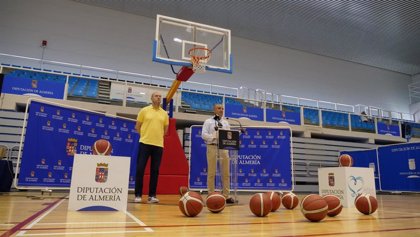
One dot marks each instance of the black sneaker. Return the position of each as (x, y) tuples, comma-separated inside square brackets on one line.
[(230, 200)]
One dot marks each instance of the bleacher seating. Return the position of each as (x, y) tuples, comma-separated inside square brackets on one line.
[(83, 87), (362, 126), (92, 89), (311, 116), (36, 75), (289, 108), (87, 88), (201, 102), (335, 120)]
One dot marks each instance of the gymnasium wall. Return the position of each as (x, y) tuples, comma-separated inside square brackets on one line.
[(100, 37)]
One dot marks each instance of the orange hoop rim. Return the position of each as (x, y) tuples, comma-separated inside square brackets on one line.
[(199, 58)]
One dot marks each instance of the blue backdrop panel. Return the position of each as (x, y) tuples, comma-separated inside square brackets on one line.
[(44, 88), (399, 167), (241, 111), (365, 158), (264, 160), (388, 129), (275, 116), (54, 134)]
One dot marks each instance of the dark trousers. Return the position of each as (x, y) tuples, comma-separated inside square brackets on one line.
[(144, 152)]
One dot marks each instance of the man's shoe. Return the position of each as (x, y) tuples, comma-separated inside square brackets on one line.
[(137, 199), (230, 200), (152, 200)]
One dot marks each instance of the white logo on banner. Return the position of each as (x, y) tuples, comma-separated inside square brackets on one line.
[(355, 185)]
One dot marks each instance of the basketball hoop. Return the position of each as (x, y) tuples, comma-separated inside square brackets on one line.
[(199, 58)]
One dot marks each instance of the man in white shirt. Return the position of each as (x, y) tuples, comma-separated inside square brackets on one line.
[(209, 135)]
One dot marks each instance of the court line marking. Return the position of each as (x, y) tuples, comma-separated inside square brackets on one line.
[(21, 233), (230, 224), (139, 222), (51, 208), (21, 224), (86, 233), (349, 233), (87, 223)]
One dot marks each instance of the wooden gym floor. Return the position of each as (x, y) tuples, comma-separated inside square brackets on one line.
[(33, 214)]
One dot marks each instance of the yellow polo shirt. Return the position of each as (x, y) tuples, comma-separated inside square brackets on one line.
[(153, 125)]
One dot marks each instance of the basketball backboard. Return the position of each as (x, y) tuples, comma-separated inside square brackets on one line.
[(175, 38)]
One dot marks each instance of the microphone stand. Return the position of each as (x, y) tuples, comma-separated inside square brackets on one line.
[(234, 163), (241, 128)]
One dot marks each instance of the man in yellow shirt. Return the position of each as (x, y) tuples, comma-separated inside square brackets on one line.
[(152, 124)]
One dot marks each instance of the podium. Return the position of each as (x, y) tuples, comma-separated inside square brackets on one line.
[(228, 140), (346, 183)]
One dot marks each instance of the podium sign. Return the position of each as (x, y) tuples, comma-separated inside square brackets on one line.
[(346, 183), (228, 139), (99, 183)]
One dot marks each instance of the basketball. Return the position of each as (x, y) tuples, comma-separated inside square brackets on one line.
[(102, 147), (260, 204), (290, 200), (314, 207), (182, 190), (366, 203), (215, 202), (345, 160), (275, 199), (334, 205), (191, 204)]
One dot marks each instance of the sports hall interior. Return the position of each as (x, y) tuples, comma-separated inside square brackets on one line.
[(330, 61)]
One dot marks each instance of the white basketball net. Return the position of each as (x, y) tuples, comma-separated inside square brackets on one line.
[(199, 59), (198, 66)]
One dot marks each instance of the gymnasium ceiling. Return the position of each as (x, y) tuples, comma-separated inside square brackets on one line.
[(383, 34)]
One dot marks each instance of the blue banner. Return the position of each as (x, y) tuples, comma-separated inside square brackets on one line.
[(275, 116), (399, 167), (28, 86), (384, 127), (54, 134), (365, 158), (241, 111), (264, 159)]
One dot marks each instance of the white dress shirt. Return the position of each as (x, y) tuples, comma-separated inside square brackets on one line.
[(208, 132)]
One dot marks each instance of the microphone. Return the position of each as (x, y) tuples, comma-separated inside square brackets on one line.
[(217, 122), (242, 129)]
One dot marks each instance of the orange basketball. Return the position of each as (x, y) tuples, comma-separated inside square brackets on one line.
[(215, 202), (290, 200), (275, 200), (260, 204), (182, 190), (366, 203), (334, 205), (314, 207), (102, 147), (345, 160), (191, 204)]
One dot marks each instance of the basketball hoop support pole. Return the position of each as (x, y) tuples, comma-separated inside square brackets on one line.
[(183, 75)]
